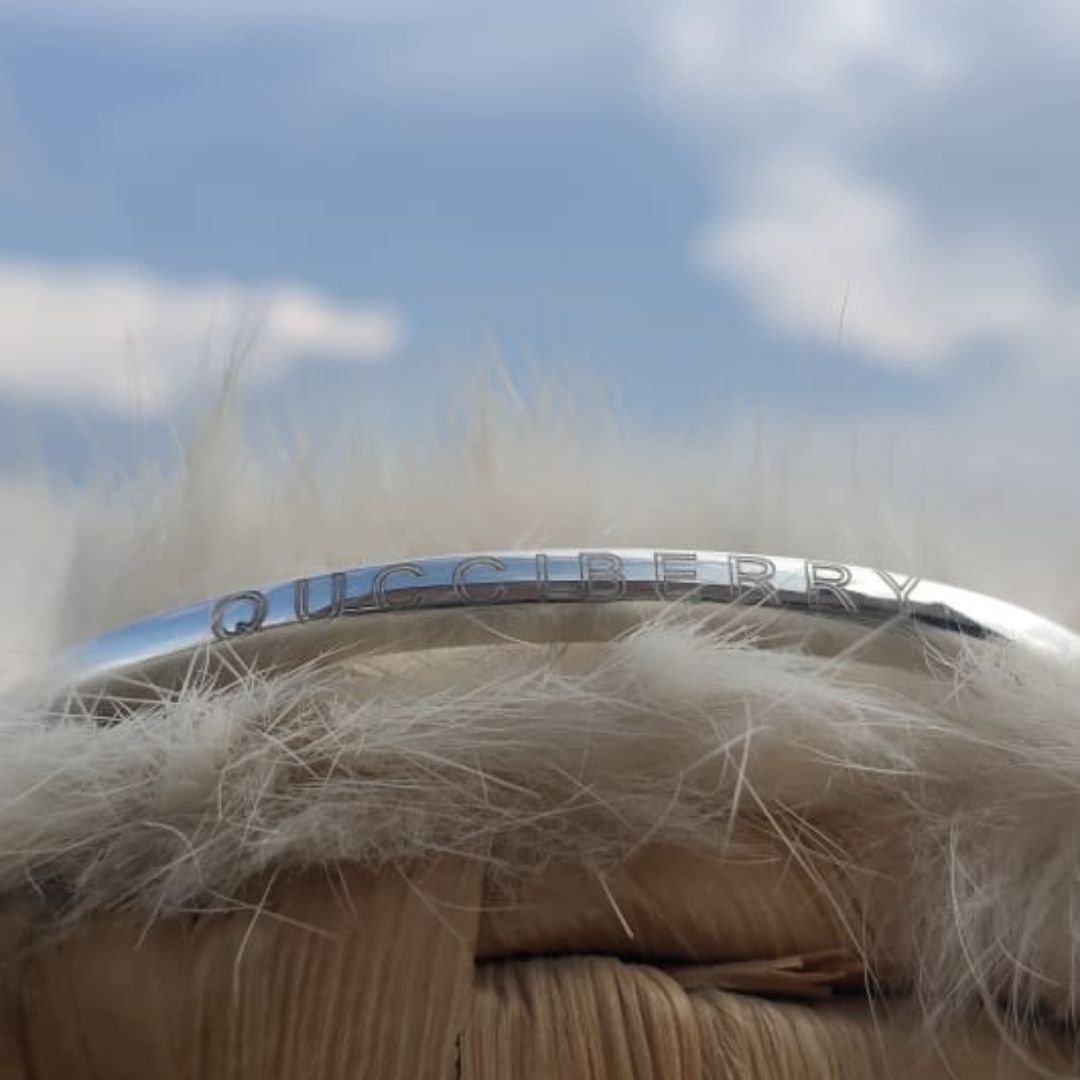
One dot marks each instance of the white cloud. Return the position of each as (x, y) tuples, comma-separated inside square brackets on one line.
[(127, 340), (820, 252), (787, 98), (776, 62)]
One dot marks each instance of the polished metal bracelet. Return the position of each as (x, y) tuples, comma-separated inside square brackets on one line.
[(544, 595)]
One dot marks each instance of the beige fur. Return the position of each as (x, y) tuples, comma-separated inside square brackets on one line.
[(934, 814)]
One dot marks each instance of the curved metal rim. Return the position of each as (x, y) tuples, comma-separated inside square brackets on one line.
[(302, 611)]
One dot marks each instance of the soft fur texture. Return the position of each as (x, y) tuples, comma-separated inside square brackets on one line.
[(941, 807)]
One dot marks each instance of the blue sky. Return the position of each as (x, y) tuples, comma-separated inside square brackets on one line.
[(861, 211)]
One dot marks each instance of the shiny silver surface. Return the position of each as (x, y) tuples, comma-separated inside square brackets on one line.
[(543, 595)]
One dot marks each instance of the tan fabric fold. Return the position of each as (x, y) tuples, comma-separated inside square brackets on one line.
[(667, 901), (340, 976), (596, 1018)]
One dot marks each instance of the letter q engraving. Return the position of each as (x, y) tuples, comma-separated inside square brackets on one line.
[(251, 602)]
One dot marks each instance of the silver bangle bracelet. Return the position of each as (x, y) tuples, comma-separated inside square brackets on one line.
[(546, 595)]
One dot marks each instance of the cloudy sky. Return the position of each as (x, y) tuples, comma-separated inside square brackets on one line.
[(862, 211)]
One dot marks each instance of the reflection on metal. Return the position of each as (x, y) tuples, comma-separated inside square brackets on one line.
[(534, 596)]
